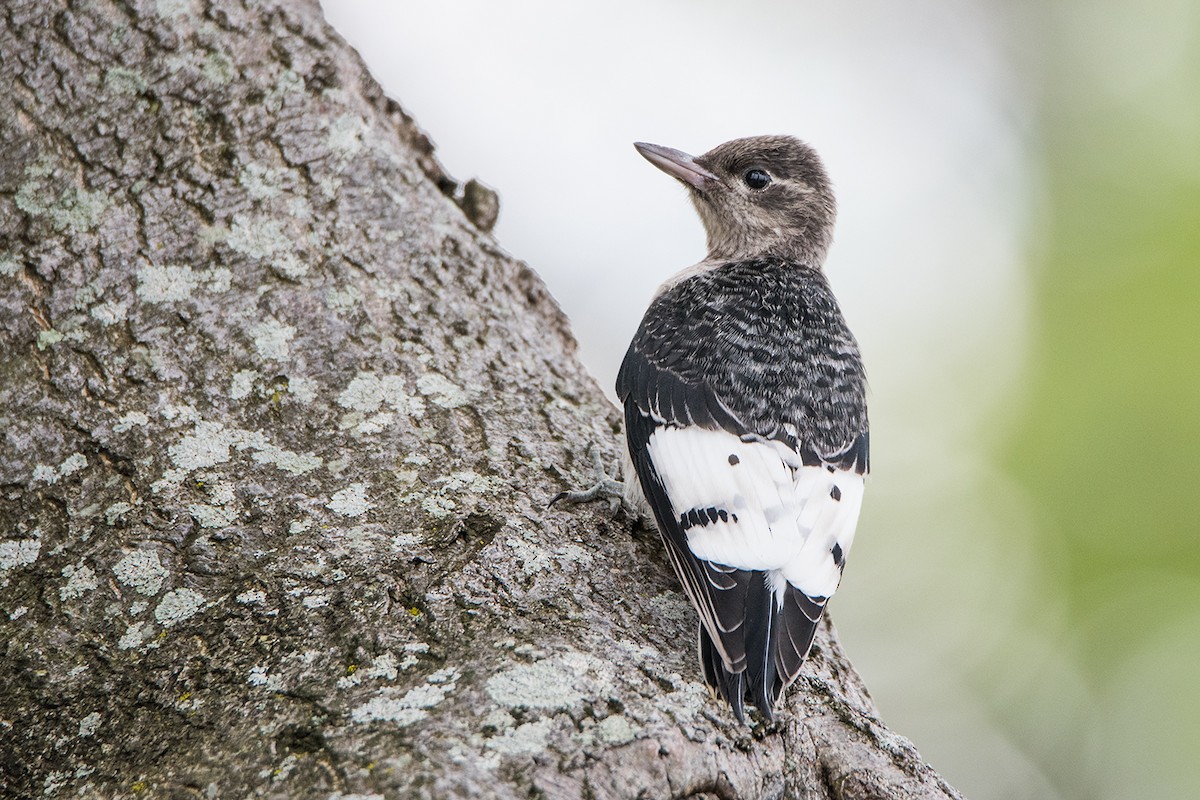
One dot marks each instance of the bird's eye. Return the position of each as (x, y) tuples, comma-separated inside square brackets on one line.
[(756, 179)]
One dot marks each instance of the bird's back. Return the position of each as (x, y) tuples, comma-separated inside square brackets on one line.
[(746, 424)]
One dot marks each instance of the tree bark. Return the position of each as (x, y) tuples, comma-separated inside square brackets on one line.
[(280, 421)]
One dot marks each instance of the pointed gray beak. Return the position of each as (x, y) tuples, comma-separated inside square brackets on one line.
[(677, 164)]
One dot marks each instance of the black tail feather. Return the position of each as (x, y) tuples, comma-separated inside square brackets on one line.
[(798, 620), (729, 685), (762, 624)]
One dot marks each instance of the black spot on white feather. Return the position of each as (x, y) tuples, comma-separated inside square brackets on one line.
[(830, 467), (734, 460), (724, 515), (835, 493), (839, 557)]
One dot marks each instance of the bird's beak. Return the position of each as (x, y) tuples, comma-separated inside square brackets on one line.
[(677, 164)]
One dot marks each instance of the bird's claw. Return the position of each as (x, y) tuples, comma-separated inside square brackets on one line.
[(606, 488)]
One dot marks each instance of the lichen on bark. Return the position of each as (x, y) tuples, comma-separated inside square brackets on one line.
[(279, 425)]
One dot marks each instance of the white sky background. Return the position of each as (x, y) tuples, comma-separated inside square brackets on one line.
[(918, 117)]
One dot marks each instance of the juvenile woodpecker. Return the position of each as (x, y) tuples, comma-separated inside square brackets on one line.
[(745, 414)]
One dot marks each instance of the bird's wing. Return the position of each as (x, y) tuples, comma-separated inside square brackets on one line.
[(757, 528)]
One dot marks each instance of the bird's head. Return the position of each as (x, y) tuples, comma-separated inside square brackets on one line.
[(759, 196)]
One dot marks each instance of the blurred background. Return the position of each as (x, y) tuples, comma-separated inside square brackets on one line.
[(1018, 251)]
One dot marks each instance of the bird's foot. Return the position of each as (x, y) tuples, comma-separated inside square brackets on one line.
[(606, 488)]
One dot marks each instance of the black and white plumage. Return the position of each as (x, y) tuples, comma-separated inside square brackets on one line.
[(746, 417)]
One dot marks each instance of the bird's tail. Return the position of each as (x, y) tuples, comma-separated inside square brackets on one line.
[(759, 681)]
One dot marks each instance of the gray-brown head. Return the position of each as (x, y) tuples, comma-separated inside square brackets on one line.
[(759, 196)]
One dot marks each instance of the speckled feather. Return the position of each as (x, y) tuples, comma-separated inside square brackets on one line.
[(746, 417), (755, 347)]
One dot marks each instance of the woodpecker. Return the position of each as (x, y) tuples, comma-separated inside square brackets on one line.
[(746, 417)]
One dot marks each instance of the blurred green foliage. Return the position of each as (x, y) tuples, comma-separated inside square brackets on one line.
[(1108, 449)]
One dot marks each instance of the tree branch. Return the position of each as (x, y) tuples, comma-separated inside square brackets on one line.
[(280, 424)]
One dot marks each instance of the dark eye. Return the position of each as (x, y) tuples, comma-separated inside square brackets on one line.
[(756, 179)]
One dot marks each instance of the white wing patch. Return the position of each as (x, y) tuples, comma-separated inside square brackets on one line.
[(753, 505)]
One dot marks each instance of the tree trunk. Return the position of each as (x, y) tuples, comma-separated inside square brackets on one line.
[(280, 421)]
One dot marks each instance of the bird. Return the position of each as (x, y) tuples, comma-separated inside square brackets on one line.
[(746, 427)]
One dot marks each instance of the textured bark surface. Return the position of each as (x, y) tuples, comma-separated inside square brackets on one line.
[(279, 423)]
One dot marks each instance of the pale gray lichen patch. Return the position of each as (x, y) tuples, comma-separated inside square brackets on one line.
[(242, 383), (117, 511), (208, 446), (344, 299), (441, 390), (16, 553), (111, 312), (288, 82), (261, 676), (173, 8), (213, 516), (498, 719), (257, 238), (166, 284), (80, 579), (286, 460), (50, 475), (130, 420), (368, 392), (290, 266), (9, 265), (616, 729), (528, 739), (410, 708), (535, 557), (671, 606), (385, 666), (262, 182), (218, 68), (346, 135), (412, 653), (48, 338), (273, 339), (386, 709), (302, 388), (315, 600), (211, 444), (252, 597), (70, 208), (468, 484), (439, 506), (299, 526), (539, 685), (351, 501), (686, 702), (142, 571), (89, 724), (73, 464), (182, 413), (134, 635), (120, 80), (172, 283), (376, 423), (178, 605)]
